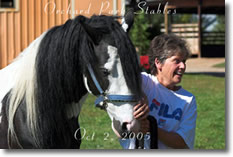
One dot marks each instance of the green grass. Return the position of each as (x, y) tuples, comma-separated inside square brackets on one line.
[(96, 128), (221, 65), (210, 129), (210, 96)]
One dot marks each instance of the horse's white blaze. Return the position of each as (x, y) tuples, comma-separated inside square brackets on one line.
[(121, 111), (74, 109)]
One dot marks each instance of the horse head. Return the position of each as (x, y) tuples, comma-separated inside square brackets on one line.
[(115, 79)]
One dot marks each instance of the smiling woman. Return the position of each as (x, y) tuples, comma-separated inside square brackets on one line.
[(172, 106), (171, 71), (176, 107)]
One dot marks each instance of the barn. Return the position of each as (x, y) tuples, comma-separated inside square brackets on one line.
[(21, 21)]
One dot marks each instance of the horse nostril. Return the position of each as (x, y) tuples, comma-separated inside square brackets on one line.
[(125, 132), (124, 126)]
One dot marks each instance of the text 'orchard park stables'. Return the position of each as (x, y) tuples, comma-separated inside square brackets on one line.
[(22, 21)]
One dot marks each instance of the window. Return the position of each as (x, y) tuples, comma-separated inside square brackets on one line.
[(6, 3), (9, 5)]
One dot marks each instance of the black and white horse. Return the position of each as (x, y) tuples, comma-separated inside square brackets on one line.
[(42, 91)]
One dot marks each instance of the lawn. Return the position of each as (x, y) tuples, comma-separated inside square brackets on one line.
[(210, 96), (221, 65), (210, 131), (96, 128)]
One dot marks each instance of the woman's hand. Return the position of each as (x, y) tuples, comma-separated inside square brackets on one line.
[(141, 111)]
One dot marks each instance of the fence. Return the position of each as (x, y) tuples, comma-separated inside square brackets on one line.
[(188, 32), (213, 38), (213, 43)]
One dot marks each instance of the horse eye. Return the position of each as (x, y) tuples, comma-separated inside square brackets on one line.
[(105, 72)]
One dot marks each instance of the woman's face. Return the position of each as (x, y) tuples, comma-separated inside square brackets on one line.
[(171, 71)]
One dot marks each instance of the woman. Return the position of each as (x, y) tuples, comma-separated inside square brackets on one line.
[(173, 107)]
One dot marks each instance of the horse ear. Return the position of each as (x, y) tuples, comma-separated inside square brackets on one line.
[(128, 20), (91, 33)]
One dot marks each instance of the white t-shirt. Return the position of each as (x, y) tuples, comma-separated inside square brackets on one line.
[(174, 111)]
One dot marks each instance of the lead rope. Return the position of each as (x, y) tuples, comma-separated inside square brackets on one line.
[(140, 143), (153, 135)]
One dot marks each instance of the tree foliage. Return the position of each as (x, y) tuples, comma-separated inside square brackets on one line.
[(155, 21), (139, 34), (220, 25), (184, 18)]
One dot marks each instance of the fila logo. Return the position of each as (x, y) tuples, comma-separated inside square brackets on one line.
[(163, 110)]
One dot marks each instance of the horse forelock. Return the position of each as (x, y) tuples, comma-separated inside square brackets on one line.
[(126, 50), (129, 61)]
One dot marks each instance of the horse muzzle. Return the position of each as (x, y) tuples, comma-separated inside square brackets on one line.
[(126, 129)]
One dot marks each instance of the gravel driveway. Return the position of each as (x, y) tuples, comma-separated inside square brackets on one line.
[(204, 65)]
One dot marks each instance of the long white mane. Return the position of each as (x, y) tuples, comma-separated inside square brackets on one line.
[(20, 77)]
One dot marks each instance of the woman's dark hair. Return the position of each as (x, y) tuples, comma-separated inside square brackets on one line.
[(165, 46)]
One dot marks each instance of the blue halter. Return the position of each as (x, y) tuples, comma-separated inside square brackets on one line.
[(105, 98)]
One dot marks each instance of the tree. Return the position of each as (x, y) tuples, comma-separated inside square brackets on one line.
[(184, 18), (155, 21), (139, 34), (220, 25)]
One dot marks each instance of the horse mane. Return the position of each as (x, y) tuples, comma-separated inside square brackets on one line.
[(64, 52), (53, 75), (23, 89)]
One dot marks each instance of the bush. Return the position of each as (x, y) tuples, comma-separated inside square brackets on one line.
[(139, 34)]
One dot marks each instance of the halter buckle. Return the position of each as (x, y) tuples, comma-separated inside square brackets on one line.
[(105, 98), (102, 99)]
